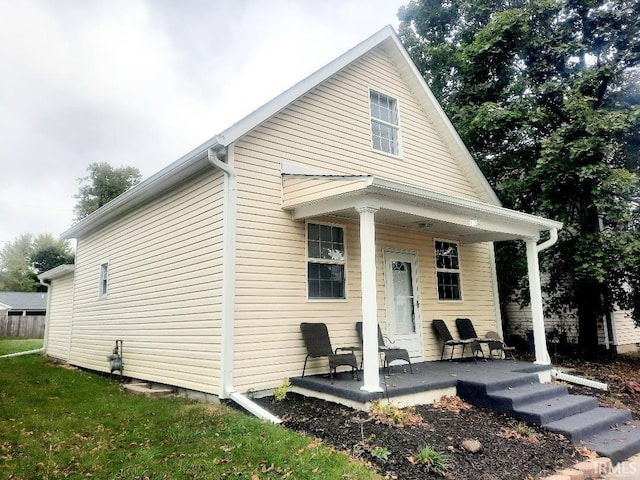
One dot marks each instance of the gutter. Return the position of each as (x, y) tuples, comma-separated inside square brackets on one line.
[(223, 158), (553, 238)]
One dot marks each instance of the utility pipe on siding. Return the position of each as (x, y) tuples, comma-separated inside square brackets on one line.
[(223, 159)]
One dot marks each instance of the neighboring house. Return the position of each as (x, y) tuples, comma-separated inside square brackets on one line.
[(22, 314), (617, 331), (348, 197)]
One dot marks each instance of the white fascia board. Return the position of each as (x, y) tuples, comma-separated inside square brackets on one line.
[(4, 306), (378, 184), (57, 272)]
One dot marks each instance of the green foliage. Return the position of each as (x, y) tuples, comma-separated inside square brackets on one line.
[(58, 423), (103, 184), (381, 453), (22, 260), (546, 96), (280, 392), (435, 461)]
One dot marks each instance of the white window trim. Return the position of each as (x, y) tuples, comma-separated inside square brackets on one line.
[(371, 119), (323, 260), (448, 270), (101, 264)]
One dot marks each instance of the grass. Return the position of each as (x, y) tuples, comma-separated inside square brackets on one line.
[(60, 423), (15, 345)]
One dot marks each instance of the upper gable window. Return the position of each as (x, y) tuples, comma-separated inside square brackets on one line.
[(384, 123)]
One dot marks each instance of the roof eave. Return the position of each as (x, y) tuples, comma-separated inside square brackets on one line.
[(175, 173), (57, 272)]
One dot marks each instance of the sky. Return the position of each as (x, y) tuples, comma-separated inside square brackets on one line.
[(142, 82)]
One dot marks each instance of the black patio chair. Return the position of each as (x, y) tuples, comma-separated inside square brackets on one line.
[(390, 353), (468, 332), (447, 340), (316, 340), (496, 343)]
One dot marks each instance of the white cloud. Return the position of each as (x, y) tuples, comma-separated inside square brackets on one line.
[(135, 82)]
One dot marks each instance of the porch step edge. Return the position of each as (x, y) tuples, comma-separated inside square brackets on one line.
[(508, 399), (618, 443), (583, 425), (556, 408)]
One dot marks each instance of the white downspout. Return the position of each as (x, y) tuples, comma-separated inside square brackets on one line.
[(223, 158), (535, 291)]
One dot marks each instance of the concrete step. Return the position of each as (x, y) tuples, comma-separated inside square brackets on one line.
[(552, 409), (582, 425), (508, 399), (618, 443), (477, 391), (144, 388)]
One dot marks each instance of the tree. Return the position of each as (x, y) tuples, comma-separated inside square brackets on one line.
[(103, 184), (545, 94), (22, 260)]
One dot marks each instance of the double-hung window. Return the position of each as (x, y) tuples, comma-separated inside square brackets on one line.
[(448, 270), (325, 261), (384, 123)]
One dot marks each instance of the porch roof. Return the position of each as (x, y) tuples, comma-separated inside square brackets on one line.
[(407, 206)]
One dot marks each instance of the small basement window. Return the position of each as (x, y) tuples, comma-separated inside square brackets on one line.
[(448, 270), (385, 126), (326, 261)]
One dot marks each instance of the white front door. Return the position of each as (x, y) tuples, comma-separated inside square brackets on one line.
[(404, 325)]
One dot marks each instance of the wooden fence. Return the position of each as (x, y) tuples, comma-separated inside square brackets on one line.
[(30, 326)]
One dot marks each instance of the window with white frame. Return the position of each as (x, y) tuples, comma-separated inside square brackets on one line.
[(448, 270), (325, 261), (104, 279), (384, 123)]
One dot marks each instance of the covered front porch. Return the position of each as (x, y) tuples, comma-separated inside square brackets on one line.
[(378, 204), (429, 382)]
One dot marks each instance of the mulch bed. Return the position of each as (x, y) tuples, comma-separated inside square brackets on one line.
[(510, 450), (507, 452)]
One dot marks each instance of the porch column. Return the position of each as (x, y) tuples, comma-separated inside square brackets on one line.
[(535, 291), (369, 300)]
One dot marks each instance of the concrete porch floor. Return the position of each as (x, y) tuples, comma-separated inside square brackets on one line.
[(429, 381)]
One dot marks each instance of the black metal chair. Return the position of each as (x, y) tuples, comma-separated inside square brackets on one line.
[(496, 344), (468, 332), (316, 340), (390, 353), (447, 340)]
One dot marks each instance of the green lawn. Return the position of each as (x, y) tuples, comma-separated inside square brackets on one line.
[(13, 344), (59, 423)]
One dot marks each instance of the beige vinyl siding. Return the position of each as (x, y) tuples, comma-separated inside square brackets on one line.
[(299, 190), (60, 317), (627, 334), (328, 129), (164, 292)]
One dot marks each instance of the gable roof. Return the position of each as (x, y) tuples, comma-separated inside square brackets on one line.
[(23, 300), (197, 160)]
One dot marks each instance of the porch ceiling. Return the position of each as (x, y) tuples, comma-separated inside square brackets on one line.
[(410, 207)]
